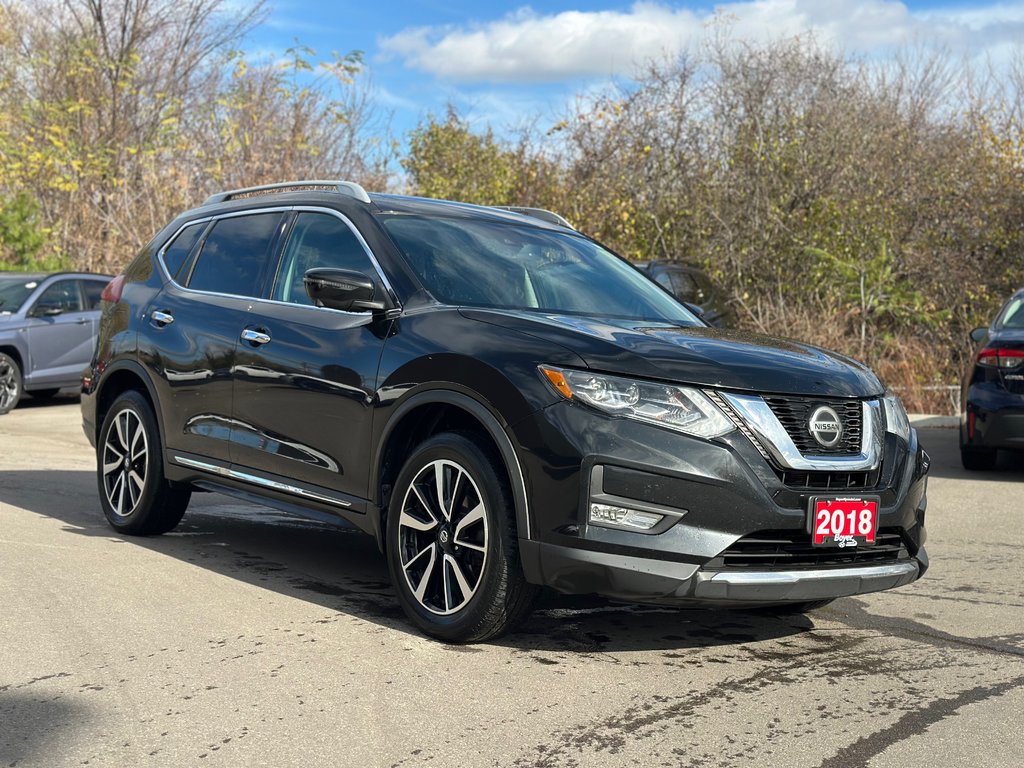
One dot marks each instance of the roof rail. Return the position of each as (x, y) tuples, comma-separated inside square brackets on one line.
[(349, 188), (537, 213)]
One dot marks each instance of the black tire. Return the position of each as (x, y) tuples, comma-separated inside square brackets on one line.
[(444, 552), (978, 459), (43, 394), (11, 384), (156, 506)]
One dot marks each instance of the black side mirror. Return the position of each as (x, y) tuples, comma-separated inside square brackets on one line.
[(978, 334), (694, 308), (47, 310), (343, 289)]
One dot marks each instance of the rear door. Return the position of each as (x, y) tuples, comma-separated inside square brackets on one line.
[(60, 335), (193, 325)]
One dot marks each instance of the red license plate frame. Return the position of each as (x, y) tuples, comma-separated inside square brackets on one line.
[(848, 519)]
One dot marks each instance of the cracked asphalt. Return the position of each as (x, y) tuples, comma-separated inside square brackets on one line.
[(246, 638)]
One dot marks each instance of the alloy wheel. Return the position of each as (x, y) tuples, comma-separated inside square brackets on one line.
[(125, 453), (8, 385), (443, 537)]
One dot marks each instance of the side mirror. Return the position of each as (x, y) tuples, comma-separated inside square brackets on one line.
[(694, 308), (47, 310), (343, 289), (978, 334)]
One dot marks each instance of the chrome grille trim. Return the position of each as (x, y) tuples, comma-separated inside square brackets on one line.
[(718, 400), (773, 438)]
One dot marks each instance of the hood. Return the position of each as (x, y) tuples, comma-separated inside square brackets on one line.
[(709, 357)]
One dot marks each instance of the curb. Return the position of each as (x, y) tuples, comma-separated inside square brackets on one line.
[(930, 420)]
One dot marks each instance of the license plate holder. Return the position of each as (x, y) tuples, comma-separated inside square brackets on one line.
[(843, 521)]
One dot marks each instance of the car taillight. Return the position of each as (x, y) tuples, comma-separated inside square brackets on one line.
[(112, 292), (1001, 358)]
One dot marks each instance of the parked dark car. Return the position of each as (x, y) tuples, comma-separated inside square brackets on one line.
[(48, 325), (501, 402), (691, 285), (992, 399)]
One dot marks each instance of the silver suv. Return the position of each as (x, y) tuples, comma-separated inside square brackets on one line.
[(48, 326)]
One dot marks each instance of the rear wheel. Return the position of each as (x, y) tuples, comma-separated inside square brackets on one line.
[(135, 496), (10, 383), (978, 459), (451, 542)]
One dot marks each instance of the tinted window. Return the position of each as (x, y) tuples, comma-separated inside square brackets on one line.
[(492, 264), (318, 240), (235, 254), (62, 295), (93, 291), (179, 249)]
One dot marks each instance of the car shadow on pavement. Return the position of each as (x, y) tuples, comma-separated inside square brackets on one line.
[(64, 397), (342, 570), (943, 446), (31, 722)]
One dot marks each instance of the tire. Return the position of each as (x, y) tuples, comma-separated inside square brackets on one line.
[(978, 459), (43, 394), (135, 496), (454, 562), (11, 385)]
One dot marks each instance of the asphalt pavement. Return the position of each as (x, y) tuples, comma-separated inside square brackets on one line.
[(247, 638)]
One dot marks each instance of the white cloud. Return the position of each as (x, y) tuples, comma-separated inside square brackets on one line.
[(527, 47)]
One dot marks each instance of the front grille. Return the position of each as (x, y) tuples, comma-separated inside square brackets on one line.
[(794, 414), (785, 550), (827, 481)]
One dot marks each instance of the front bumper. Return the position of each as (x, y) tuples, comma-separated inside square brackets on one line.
[(637, 579), (720, 496)]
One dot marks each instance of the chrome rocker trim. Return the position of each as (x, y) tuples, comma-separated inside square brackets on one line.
[(246, 477)]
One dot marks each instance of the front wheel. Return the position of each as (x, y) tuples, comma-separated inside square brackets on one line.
[(10, 383), (135, 496), (451, 541)]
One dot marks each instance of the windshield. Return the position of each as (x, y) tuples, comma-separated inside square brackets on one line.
[(506, 266), (1013, 315), (14, 291)]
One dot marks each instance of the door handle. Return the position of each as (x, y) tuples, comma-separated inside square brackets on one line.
[(160, 319), (256, 338), (82, 321)]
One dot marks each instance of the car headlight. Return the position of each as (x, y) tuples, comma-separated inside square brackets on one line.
[(683, 409), (896, 420)]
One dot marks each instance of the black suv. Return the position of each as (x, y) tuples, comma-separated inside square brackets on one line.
[(501, 402)]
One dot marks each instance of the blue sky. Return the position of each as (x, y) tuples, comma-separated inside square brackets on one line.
[(503, 62)]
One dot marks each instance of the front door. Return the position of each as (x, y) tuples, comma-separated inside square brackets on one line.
[(60, 336), (305, 376)]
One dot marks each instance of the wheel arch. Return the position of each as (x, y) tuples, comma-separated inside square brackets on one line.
[(15, 353), (416, 419), (121, 377)]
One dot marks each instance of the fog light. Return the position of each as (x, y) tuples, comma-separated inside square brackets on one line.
[(623, 517)]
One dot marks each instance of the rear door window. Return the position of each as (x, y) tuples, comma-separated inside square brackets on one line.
[(93, 293), (235, 255)]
